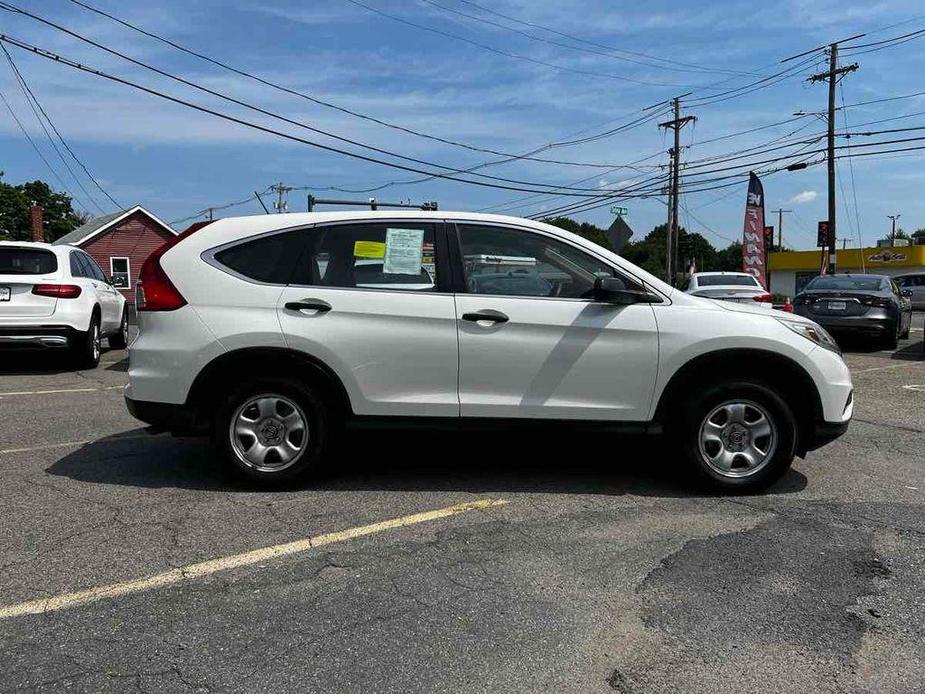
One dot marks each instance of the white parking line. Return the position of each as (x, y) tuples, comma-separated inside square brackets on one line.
[(257, 556), (72, 444), (58, 390), (884, 368)]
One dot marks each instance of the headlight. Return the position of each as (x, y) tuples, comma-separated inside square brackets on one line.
[(813, 332)]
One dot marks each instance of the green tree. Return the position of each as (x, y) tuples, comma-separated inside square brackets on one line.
[(588, 231), (730, 258), (15, 220), (919, 233)]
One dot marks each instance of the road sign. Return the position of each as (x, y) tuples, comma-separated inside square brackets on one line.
[(619, 211)]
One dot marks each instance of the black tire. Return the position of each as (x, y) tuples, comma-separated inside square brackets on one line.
[(119, 339), (86, 347), (308, 403), (692, 416), (891, 339)]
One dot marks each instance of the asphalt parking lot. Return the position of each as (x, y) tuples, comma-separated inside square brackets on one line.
[(429, 563)]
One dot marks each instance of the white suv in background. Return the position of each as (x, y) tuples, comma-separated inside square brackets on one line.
[(270, 332), (57, 297)]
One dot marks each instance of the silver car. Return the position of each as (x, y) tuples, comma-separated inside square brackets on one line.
[(914, 282)]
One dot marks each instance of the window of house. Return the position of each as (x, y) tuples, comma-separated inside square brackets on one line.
[(119, 273)]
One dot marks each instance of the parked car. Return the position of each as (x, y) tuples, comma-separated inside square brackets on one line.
[(57, 297), (739, 287), (858, 304), (247, 336), (915, 283)]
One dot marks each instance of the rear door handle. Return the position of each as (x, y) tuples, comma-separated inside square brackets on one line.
[(486, 315), (318, 305)]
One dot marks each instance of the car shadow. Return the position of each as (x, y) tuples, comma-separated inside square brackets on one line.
[(415, 461), (36, 363)]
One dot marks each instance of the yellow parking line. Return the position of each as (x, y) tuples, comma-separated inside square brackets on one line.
[(206, 568), (59, 390)]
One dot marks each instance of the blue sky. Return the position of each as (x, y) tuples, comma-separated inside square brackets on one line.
[(176, 161)]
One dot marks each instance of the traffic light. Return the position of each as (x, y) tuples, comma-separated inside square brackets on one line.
[(822, 235)]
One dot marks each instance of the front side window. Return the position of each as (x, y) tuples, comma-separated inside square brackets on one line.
[(514, 262), (95, 272), (388, 255), (119, 272)]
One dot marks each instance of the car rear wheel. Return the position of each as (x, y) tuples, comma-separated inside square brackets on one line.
[(119, 340), (737, 436), (87, 347), (271, 432)]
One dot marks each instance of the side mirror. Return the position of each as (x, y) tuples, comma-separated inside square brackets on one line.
[(612, 290)]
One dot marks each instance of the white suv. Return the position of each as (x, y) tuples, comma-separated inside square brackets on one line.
[(270, 332), (57, 297)]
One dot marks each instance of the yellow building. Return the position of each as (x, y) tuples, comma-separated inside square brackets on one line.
[(791, 270)]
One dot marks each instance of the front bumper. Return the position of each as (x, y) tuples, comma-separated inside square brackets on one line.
[(823, 433), (37, 337)]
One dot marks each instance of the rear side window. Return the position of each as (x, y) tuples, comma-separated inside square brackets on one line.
[(27, 261), (268, 259), (389, 256)]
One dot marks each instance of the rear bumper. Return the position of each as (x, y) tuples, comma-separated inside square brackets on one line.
[(37, 337), (875, 322), (163, 416)]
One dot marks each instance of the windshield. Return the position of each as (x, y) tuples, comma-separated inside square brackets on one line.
[(27, 261), (726, 281), (846, 283)]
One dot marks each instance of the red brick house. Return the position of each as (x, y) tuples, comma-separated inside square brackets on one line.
[(120, 242)]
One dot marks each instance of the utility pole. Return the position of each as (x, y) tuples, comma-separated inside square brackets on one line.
[(675, 124), (893, 218), (832, 76), (780, 227), (281, 205)]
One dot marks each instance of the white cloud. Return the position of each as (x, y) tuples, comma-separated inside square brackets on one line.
[(803, 198)]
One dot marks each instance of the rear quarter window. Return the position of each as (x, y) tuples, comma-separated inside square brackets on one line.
[(269, 259), (27, 261)]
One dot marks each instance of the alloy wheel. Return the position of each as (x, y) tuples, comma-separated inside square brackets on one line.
[(269, 432), (737, 438)]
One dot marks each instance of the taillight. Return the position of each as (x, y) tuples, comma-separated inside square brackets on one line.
[(876, 301), (154, 290), (803, 300), (58, 291), (762, 298)]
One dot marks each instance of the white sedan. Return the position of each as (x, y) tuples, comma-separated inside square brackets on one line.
[(57, 297), (739, 287)]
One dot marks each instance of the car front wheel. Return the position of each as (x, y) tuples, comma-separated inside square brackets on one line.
[(737, 436), (271, 432), (119, 340)]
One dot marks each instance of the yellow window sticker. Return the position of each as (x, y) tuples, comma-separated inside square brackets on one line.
[(369, 249)]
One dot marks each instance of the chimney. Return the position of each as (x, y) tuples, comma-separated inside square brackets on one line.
[(38, 231)]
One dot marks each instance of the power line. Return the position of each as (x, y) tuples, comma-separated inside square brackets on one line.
[(27, 95), (608, 53), (516, 56), (304, 95), (255, 126), (39, 152), (21, 78), (572, 37)]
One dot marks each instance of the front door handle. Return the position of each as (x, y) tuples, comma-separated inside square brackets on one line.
[(486, 315), (318, 305)]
